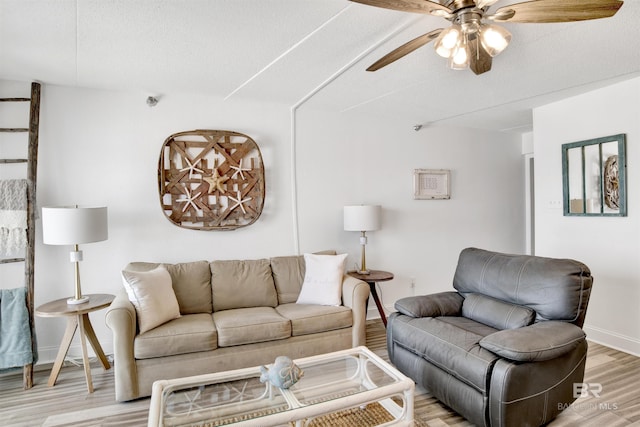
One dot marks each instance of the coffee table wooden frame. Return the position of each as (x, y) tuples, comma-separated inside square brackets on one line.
[(399, 387)]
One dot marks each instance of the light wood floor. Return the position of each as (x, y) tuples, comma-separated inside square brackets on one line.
[(69, 404)]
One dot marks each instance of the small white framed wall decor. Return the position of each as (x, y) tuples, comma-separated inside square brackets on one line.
[(431, 184)]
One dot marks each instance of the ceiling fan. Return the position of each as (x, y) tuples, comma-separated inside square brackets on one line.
[(471, 42)]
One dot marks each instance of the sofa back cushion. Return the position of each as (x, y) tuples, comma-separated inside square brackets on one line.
[(288, 275), (191, 282), (192, 285), (495, 313), (557, 289), (242, 284)]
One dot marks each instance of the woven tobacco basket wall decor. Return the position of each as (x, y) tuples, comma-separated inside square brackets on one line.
[(211, 180)]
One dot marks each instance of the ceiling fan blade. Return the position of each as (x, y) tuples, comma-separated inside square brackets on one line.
[(479, 59), (405, 49), (558, 10), (484, 3), (415, 6)]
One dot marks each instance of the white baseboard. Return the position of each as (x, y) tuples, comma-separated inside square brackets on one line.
[(48, 354), (372, 313), (613, 339)]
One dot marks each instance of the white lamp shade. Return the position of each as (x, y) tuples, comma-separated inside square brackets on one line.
[(72, 225), (362, 218)]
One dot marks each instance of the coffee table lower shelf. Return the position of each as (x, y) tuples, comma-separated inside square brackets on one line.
[(332, 382)]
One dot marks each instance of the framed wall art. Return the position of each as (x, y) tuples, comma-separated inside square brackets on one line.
[(594, 177), (431, 184)]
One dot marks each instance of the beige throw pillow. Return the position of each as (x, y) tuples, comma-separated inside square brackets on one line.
[(322, 279), (152, 295)]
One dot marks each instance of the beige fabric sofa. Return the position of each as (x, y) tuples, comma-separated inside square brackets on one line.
[(233, 314)]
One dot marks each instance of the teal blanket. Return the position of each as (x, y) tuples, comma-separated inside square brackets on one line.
[(15, 332)]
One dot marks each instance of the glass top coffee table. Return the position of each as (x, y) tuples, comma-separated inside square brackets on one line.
[(331, 382)]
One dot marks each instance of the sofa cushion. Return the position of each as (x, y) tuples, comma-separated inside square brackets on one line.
[(288, 275), (496, 313), (322, 279), (242, 284), (188, 334), (450, 343), (191, 282), (310, 319), (250, 325), (151, 294)]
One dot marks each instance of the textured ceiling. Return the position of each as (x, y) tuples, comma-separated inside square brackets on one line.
[(284, 51)]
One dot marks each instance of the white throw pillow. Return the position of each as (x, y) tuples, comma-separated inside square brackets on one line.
[(322, 279), (152, 295)]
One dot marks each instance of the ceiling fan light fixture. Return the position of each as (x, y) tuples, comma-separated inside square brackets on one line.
[(494, 38), (448, 40), (459, 43)]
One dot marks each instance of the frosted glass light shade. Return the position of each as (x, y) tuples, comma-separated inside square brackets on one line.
[(362, 218), (494, 39), (460, 58), (72, 225), (447, 41)]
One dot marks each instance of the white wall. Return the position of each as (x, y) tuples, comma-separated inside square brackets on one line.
[(102, 148), (348, 159), (609, 246)]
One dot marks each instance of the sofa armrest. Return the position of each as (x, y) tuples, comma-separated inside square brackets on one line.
[(121, 319), (355, 294), (541, 341), (433, 305)]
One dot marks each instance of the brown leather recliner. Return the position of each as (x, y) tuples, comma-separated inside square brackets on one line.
[(507, 347)]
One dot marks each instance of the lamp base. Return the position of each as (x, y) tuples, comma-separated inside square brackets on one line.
[(363, 271), (80, 300)]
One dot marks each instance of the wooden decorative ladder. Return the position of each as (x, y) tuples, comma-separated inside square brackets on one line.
[(31, 163)]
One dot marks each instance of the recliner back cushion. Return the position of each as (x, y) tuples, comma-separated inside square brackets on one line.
[(495, 313), (557, 289), (242, 284)]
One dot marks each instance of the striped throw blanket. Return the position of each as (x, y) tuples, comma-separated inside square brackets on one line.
[(13, 216)]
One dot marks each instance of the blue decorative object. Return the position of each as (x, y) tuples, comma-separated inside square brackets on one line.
[(283, 373)]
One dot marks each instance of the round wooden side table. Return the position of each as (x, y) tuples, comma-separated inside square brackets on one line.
[(372, 278), (77, 316)]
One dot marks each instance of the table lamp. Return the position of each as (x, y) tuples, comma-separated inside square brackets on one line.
[(73, 225), (362, 218)]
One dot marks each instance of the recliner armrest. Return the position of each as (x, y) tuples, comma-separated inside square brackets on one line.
[(433, 305), (541, 341)]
